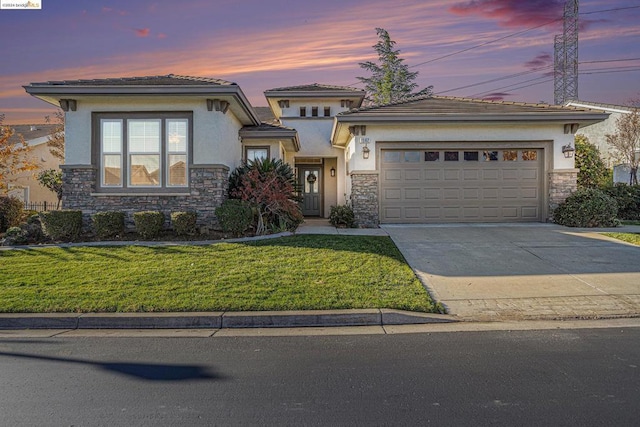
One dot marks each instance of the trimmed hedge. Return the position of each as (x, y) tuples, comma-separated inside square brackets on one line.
[(628, 199), (10, 212), (62, 225), (184, 223), (108, 224), (235, 216), (588, 207), (148, 224), (342, 216)]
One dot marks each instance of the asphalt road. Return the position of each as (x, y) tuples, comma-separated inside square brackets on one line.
[(554, 377)]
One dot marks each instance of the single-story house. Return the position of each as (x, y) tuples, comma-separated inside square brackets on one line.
[(169, 142), (24, 185), (597, 134)]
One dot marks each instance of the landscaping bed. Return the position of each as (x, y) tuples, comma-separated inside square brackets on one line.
[(290, 273), (626, 237)]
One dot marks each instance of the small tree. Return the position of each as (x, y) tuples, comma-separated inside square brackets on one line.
[(55, 140), (51, 179), (390, 80), (13, 157), (592, 170), (626, 142)]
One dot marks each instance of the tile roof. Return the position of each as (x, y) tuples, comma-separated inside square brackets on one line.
[(268, 127), (315, 87), (265, 114), (167, 80), (602, 105), (39, 131), (430, 104)]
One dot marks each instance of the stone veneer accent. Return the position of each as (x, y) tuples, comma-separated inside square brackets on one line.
[(207, 190), (562, 182), (364, 198)]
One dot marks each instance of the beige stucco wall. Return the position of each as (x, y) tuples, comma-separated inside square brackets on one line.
[(35, 192), (215, 135), (294, 106), (597, 135)]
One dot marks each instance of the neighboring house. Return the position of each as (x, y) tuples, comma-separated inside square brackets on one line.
[(597, 134), (169, 142), (24, 185)]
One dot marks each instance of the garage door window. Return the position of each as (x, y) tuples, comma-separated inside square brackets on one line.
[(471, 156), (490, 156), (510, 156), (451, 156), (412, 156), (391, 157), (432, 156), (529, 155)]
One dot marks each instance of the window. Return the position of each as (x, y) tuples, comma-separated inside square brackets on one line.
[(411, 156), (314, 111), (490, 156), (451, 156), (432, 156), (529, 155), (254, 153), (139, 151), (327, 111), (510, 155), (471, 156), (303, 111)]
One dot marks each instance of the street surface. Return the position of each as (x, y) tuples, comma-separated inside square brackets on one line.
[(586, 377)]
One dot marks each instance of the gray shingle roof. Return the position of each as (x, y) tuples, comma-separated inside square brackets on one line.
[(168, 80), (28, 134)]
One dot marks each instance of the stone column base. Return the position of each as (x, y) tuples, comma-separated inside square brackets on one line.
[(562, 183), (364, 198)]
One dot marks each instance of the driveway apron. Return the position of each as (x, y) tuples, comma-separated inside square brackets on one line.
[(523, 271)]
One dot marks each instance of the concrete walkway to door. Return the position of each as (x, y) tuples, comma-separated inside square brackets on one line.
[(523, 271)]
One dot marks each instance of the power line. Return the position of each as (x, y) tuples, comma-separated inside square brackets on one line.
[(511, 86), (523, 73), (610, 71), (610, 60)]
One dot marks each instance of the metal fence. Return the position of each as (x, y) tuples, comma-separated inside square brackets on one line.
[(41, 206)]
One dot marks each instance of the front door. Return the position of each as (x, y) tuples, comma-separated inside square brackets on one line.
[(310, 184)]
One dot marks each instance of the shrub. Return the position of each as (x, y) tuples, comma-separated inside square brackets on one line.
[(235, 216), (15, 236), (270, 187), (108, 224), (33, 228), (10, 212), (342, 216), (62, 225), (184, 223), (588, 207), (592, 170), (628, 199), (148, 223)]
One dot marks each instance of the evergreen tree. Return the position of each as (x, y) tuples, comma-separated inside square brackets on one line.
[(391, 80)]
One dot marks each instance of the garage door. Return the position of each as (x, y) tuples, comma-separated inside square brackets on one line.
[(461, 185)]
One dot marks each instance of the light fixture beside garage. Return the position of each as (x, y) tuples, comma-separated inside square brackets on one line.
[(365, 152), (568, 150), (333, 171)]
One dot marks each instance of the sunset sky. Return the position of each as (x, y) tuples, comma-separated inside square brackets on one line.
[(263, 44)]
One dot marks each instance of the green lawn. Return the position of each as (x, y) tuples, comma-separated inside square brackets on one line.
[(291, 273), (627, 237)]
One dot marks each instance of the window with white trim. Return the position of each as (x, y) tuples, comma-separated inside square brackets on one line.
[(139, 151), (254, 153)]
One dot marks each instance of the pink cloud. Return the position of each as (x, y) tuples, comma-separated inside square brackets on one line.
[(513, 13), (541, 60), (117, 12), (142, 32), (161, 36)]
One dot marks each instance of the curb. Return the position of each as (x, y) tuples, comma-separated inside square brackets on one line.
[(219, 320)]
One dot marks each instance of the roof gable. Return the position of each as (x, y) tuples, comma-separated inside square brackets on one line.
[(166, 80), (315, 87)]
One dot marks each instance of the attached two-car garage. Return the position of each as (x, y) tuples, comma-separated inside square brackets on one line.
[(470, 183)]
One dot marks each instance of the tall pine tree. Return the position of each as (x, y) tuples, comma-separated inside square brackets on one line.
[(391, 80)]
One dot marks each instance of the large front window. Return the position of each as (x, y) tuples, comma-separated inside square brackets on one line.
[(139, 151)]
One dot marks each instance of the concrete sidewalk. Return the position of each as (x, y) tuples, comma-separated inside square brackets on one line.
[(524, 271)]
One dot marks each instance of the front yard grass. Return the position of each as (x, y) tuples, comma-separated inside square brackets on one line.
[(627, 237), (290, 273)]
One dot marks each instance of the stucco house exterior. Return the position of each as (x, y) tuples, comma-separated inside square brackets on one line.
[(597, 134), (169, 142), (24, 185)]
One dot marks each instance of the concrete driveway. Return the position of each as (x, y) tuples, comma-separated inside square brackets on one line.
[(523, 271)]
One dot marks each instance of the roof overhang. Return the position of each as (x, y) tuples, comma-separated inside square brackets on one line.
[(340, 134), (288, 137), (238, 102)]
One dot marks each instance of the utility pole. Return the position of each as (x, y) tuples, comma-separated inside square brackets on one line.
[(565, 58)]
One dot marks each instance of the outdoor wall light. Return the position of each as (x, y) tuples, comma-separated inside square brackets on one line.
[(333, 171), (365, 152), (568, 151)]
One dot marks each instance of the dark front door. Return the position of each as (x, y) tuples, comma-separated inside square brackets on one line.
[(310, 183)]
